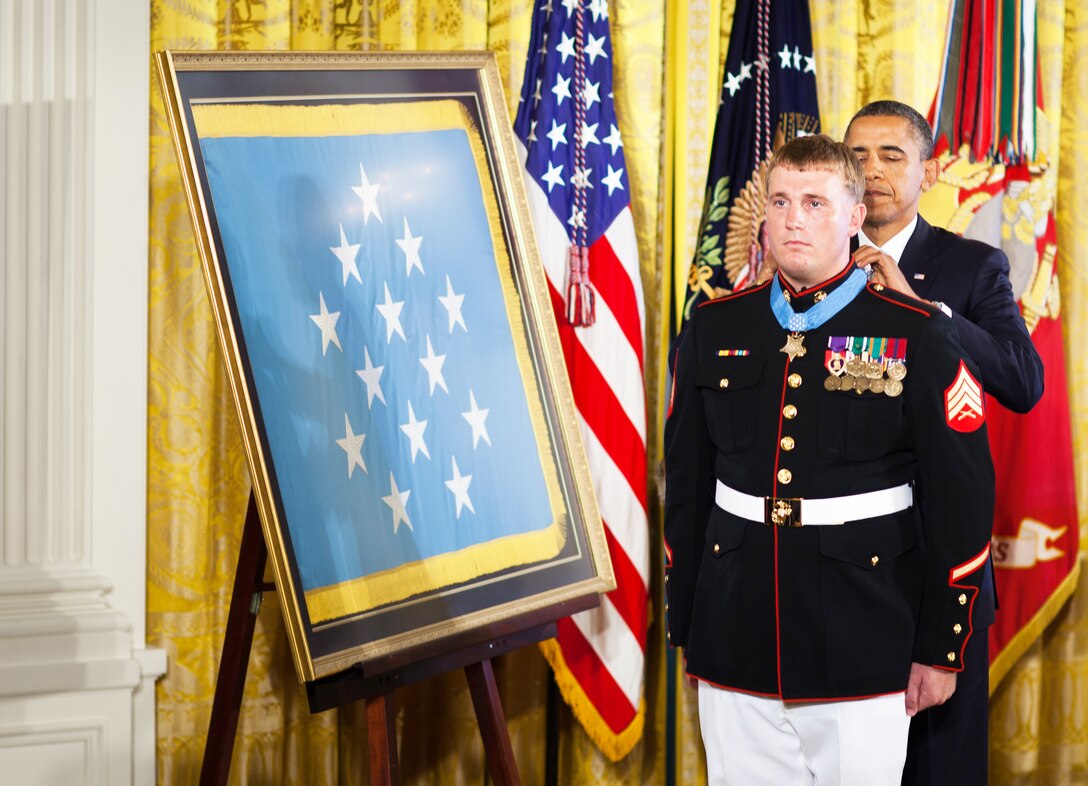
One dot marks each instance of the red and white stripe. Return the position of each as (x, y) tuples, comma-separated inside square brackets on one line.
[(604, 648)]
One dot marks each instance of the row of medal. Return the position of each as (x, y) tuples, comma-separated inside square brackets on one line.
[(860, 363)]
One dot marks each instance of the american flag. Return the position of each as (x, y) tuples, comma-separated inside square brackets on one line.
[(579, 195)]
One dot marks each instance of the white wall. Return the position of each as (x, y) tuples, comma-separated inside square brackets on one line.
[(76, 681)]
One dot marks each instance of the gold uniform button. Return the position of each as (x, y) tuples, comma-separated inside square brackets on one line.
[(957, 629), (784, 476), (789, 412), (963, 600), (874, 560), (668, 637), (724, 383), (794, 380), (666, 607), (666, 578), (951, 657), (717, 548), (787, 443)]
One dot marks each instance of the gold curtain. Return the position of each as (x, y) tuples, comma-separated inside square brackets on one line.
[(197, 479), (668, 75), (868, 50)]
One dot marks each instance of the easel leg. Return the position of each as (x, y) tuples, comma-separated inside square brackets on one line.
[(381, 716), (492, 720), (241, 620)]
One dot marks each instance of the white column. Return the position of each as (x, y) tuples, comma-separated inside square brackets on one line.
[(76, 684)]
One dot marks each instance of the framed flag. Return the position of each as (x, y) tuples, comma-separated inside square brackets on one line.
[(385, 321)]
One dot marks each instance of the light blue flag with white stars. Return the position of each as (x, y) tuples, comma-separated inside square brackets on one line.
[(385, 344)]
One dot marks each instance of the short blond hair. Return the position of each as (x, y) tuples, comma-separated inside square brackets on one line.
[(823, 153)]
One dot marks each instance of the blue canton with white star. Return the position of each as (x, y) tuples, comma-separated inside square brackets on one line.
[(545, 121)]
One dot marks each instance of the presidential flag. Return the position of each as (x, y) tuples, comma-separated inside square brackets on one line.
[(369, 276), (768, 98), (992, 136), (579, 196)]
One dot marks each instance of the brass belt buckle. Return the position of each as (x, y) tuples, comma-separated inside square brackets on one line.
[(782, 511)]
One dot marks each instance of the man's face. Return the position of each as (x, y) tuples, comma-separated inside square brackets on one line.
[(895, 174), (810, 220)]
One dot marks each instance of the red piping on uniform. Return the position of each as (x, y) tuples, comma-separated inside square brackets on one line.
[(794, 701), (897, 303), (732, 295), (774, 534), (801, 293)]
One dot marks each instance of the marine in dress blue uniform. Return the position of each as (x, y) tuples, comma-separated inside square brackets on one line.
[(800, 421)]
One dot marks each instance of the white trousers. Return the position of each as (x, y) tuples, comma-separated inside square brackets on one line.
[(758, 741)]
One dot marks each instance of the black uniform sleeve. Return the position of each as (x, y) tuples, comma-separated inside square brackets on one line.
[(689, 474), (994, 335), (944, 407)]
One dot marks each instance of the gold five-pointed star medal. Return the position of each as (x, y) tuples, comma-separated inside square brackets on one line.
[(794, 346)]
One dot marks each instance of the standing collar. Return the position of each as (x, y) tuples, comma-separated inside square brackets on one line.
[(896, 244)]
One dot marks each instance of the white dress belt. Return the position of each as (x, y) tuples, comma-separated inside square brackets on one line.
[(813, 512)]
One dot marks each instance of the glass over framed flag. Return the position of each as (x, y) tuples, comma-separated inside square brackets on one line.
[(386, 326)]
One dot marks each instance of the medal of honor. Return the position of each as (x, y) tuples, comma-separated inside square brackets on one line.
[(794, 346)]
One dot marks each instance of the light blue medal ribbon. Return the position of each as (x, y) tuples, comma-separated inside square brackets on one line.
[(821, 312)]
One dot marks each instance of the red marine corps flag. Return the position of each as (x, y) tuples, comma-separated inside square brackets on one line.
[(993, 140), (579, 196)]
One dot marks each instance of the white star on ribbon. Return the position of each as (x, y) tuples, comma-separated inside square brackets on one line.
[(397, 500), (612, 180), (452, 302), (458, 484), (414, 429), (346, 252), (352, 444), (810, 65), (433, 364), (745, 71), (327, 323), (369, 194), (410, 246), (599, 9), (371, 376), (477, 418), (390, 311), (570, 5), (796, 59)]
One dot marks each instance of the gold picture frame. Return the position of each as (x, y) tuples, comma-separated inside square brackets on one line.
[(356, 213)]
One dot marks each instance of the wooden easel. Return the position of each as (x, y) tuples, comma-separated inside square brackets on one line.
[(352, 685)]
